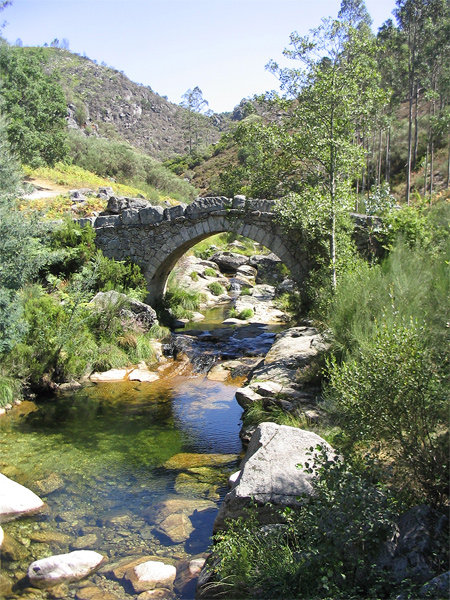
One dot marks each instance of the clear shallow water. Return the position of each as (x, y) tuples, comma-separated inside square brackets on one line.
[(98, 457)]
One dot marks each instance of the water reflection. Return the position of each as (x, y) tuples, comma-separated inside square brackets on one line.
[(99, 458)]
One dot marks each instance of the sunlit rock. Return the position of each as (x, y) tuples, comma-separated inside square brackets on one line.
[(269, 473), (16, 500), (143, 375), (111, 375), (151, 575), (53, 570)]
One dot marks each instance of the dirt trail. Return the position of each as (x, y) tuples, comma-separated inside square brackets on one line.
[(44, 188)]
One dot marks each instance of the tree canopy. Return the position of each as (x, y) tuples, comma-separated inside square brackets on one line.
[(34, 105)]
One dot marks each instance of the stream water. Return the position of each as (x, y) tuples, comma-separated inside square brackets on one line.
[(112, 461)]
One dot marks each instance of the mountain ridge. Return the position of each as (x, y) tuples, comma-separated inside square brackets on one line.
[(103, 101)]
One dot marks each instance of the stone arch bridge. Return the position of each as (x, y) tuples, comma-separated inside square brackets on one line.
[(156, 238)]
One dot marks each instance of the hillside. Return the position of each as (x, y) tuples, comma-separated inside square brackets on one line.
[(105, 101)]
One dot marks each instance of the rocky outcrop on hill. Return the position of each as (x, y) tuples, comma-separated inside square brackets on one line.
[(104, 102)]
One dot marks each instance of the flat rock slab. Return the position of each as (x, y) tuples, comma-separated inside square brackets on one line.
[(111, 375), (295, 345), (16, 500), (63, 568), (143, 375), (269, 472)]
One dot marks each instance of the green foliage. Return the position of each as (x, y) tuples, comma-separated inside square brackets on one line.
[(409, 223), (263, 169), (263, 412), (216, 288), (107, 158), (323, 549), (394, 391), (35, 106), (407, 285), (10, 389), (194, 275), (290, 303), (246, 313), (74, 246), (123, 276), (380, 200), (307, 217), (390, 325), (179, 302), (209, 272), (21, 249)]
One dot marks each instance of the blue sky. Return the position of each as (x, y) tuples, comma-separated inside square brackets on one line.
[(222, 46)]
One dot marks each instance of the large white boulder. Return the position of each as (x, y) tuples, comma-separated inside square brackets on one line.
[(60, 568), (16, 500), (269, 472)]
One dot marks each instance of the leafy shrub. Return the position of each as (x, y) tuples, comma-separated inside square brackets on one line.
[(216, 288), (380, 200), (121, 276), (323, 549), (74, 246), (108, 158), (246, 313), (194, 276), (209, 272), (395, 391), (408, 223)]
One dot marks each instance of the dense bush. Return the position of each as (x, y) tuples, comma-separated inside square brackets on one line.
[(389, 383), (324, 549), (108, 158), (393, 392)]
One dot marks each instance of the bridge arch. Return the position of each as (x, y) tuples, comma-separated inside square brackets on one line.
[(156, 238)]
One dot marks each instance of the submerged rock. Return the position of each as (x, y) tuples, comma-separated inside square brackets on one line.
[(53, 570), (177, 527), (187, 460), (16, 500), (50, 484)]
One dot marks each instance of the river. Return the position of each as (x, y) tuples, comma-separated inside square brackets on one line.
[(113, 460)]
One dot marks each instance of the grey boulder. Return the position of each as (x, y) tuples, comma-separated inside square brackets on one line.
[(269, 474)]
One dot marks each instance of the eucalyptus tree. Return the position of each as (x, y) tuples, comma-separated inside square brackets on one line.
[(333, 92), (195, 104), (423, 27)]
